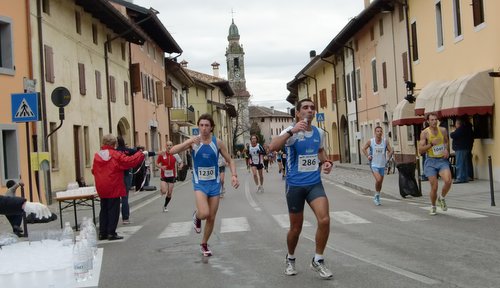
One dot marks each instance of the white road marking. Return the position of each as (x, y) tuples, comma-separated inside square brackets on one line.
[(401, 215), (284, 221), (250, 200), (125, 232), (238, 224), (394, 269), (177, 229), (355, 192), (346, 217), (458, 213)]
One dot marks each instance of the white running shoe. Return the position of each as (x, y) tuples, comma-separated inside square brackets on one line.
[(290, 266), (321, 268)]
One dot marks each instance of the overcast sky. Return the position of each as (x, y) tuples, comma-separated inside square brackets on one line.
[(276, 35)]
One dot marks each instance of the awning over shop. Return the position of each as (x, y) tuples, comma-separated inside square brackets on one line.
[(469, 95), (429, 98), (404, 114)]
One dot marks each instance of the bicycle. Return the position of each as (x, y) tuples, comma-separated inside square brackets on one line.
[(390, 165)]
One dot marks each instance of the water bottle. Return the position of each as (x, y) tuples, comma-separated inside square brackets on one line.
[(90, 257), (68, 236), (301, 133), (91, 235), (80, 261)]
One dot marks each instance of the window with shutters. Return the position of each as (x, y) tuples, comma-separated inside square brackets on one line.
[(108, 41), (81, 78), (86, 142), (159, 92), (414, 41), (49, 64), (404, 58), (478, 12), (124, 51), (334, 93), (95, 34), (98, 86), (381, 26), (167, 93), (358, 82), (439, 25), (457, 18), (112, 88), (135, 77), (10, 152), (348, 87), (315, 100), (372, 33), (6, 46), (374, 75), (384, 74), (323, 103), (125, 92), (46, 6), (78, 22)]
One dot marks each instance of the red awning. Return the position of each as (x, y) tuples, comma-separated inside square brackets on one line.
[(469, 95), (404, 114)]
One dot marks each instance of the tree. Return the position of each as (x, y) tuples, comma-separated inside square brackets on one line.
[(255, 130), (240, 127)]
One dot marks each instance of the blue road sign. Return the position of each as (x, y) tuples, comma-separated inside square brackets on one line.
[(196, 131), (24, 107), (320, 117)]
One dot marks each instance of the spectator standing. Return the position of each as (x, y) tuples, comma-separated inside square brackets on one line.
[(461, 138), (108, 170), (127, 178)]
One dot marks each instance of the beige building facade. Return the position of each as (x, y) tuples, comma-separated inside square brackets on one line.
[(77, 45)]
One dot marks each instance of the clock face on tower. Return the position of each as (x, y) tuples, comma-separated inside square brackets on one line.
[(237, 74)]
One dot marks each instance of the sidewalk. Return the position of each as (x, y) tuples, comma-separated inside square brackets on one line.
[(82, 211), (474, 195)]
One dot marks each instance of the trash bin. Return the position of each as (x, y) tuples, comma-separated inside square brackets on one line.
[(407, 182)]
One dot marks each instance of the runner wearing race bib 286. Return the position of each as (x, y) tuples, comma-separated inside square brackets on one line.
[(306, 158)]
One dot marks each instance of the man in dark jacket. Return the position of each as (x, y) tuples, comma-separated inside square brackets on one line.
[(108, 169), (461, 138)]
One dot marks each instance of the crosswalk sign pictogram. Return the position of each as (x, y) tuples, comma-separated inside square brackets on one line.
[(24, 107), (320, 117)]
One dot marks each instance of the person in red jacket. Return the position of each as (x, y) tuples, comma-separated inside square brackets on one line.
[(108, 167)]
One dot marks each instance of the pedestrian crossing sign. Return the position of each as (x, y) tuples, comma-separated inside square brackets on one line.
[(24, 107), (320, 117)]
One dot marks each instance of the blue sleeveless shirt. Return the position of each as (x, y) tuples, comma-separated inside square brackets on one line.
[(302, 159), (206, 163)]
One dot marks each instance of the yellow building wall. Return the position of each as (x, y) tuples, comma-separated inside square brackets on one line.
[(476, 51)]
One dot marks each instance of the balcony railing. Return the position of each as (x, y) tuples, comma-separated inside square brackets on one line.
[(182, 115)]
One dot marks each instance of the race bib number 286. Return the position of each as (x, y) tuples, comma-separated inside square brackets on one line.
[(308, 163)]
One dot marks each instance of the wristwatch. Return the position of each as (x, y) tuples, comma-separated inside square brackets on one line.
[(289, 132)]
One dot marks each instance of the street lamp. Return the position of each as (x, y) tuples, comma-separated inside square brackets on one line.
[(409, 91)]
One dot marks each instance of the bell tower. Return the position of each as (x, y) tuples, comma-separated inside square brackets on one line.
[(236, 76)]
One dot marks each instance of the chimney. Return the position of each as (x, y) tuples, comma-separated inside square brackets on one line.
[(288, 110), (367, 3), (272, 109), (184, 64), (215, 68), (312, 54)]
